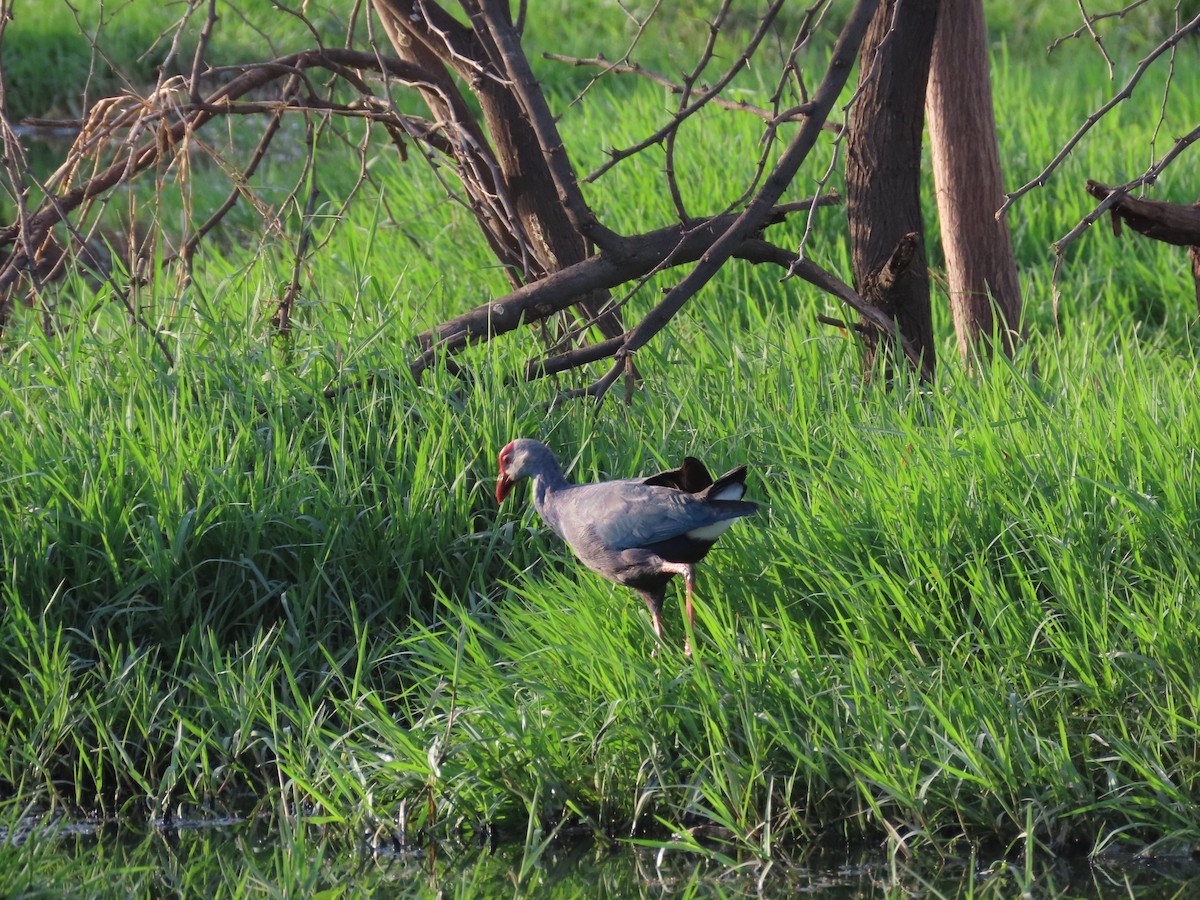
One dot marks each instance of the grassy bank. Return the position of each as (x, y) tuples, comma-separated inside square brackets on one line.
[(966, 615)]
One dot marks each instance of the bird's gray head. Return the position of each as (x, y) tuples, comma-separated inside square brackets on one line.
[(523, 458)]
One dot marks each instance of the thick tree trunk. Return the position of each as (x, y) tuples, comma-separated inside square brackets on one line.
[(506, 175), (883, 173), (981, 269)]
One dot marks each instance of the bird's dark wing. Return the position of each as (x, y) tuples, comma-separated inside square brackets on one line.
[(691, 477), (616, 516)]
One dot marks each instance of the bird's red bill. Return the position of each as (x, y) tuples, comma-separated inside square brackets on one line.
[(504, 487)]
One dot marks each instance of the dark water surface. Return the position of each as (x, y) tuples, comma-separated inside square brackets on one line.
[(232, 857)]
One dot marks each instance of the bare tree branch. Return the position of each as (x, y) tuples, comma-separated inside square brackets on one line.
[(1124, 94), (634, 257), (845, 52), (151, 130), (198, 64), (707, 94), (220, 101), (1171, 223), (282, 319), (1117, 194), (794, 114), (1088, 27)]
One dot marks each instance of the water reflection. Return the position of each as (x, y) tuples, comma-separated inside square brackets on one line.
[(230, 856)]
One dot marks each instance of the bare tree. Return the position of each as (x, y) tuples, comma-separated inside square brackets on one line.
[(491, 135), (489, 123)]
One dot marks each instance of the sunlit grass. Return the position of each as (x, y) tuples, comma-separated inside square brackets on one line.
[(963, 614)]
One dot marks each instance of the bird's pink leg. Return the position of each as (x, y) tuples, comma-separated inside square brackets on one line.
[(689, 586)]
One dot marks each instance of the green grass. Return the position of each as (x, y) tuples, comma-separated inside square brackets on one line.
[(963, 618), (963, 615)]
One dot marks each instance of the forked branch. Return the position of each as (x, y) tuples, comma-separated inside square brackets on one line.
[(142, 135), (1123, 94), (845, 52)]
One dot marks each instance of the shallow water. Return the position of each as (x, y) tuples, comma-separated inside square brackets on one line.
[(231, 856)]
